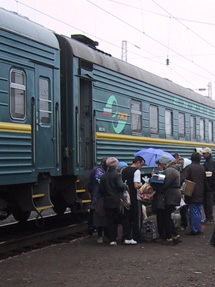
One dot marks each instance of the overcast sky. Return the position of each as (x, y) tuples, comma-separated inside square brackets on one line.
[(180, 30)]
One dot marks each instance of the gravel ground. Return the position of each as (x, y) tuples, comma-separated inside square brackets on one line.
[(85, 263)]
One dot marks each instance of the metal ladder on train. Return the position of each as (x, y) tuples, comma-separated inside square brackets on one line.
[(33, 198), (41, 196), (37, 197), (83, 197)]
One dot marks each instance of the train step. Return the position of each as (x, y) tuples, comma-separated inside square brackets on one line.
[(82, 194), (41, 195), (38, 195), (44, 207), (86, 201), (34, 198), (80, 190)]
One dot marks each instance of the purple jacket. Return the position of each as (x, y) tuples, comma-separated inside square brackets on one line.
[(95, 194)]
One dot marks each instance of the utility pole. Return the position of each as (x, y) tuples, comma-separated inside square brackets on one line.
[(210, 90), (124, 51)]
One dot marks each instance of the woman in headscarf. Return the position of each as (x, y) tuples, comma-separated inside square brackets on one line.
[(111, 186)]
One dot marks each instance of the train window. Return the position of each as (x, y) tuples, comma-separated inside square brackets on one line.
[(192, 128), (210, 131), (136, 116), (202, 129), (181, 125), (169, 123), (44, 101), (154, 123), (17, 94)]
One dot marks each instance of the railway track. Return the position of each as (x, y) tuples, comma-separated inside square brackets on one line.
[(18, 238)]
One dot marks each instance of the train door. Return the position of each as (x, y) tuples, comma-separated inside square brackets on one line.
[(86, 148), (44, 132)]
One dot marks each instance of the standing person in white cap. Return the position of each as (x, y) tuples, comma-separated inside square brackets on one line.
[(209, 166)]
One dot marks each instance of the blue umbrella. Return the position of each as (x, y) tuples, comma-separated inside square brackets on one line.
[(151, 155)]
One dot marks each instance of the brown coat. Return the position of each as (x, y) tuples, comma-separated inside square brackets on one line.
[(196, 173)]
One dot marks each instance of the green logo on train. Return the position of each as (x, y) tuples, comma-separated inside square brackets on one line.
[(111, 110)]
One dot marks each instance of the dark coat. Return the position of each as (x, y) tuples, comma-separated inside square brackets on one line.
[(128, 175), (196, 173), (209, 165), (171, 186), (111, 186)]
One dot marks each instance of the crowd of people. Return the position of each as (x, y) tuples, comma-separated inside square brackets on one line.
[(116, 190)]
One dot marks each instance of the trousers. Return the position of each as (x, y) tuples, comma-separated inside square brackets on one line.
[(112, 223), (195, 215), (169, 225), (208, 205)]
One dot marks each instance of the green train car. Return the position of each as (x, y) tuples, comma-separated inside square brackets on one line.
[(64, 105), (126, 109)]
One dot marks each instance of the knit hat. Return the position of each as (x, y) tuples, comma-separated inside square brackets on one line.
[(164, 159), (112, 162), (121, 165), (207, 150)]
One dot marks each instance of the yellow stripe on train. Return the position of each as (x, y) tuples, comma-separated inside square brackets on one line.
[(138, 139), (15, 128)]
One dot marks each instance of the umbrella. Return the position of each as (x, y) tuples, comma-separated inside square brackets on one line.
[(151, 155)]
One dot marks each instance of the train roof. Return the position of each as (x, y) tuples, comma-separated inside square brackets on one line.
[(93, 55), (11, 21)]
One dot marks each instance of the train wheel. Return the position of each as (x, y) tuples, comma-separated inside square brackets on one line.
[(20, 215)]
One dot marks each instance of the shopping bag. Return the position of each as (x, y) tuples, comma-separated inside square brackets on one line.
[(125, 201), (189, 187), (149, 231)]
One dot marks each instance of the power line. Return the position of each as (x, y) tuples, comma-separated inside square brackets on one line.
[(182, 77), (64, 23), (103, 39), (47, 15), (162, 15), (183, 24), (150, 37)]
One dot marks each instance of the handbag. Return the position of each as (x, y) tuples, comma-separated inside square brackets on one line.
[(125, 201), (189, 187)]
